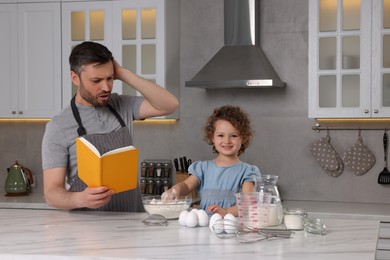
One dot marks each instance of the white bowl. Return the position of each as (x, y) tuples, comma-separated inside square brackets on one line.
[(169, 209)]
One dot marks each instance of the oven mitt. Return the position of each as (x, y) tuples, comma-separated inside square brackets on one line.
[(327, 157), (359, 158), (339, 171)]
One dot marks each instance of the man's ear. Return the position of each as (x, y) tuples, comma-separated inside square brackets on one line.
[(75, 78)]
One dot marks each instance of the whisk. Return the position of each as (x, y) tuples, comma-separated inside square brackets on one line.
[(226, 228)]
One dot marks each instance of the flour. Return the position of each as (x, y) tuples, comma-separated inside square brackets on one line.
[(169, 210)]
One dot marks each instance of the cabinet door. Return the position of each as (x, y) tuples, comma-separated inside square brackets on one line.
[(139, 39), (146, 41), (340, 58), (8, 60), (39, 47), (381, 59), (83, 21)]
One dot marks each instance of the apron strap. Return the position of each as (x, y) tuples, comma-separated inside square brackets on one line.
[(116, 115), (81, 130)]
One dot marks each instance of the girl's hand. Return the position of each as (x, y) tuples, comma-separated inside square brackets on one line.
[(170, 194), (217, 209)]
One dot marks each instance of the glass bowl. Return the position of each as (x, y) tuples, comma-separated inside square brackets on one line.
[(170, 209)]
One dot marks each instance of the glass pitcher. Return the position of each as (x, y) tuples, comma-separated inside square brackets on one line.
[(267, 184)]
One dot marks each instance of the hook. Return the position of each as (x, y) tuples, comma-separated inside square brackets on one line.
[(327, 134), (318, 127)]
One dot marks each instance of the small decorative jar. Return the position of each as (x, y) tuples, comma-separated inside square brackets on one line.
[(314, 226), (294, 218)]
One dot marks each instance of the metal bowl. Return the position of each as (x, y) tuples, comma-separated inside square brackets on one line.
[(170, 209)]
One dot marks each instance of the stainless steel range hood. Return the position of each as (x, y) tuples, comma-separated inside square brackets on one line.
[(241, 63)]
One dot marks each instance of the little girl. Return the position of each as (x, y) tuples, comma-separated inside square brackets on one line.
[(228, 129)]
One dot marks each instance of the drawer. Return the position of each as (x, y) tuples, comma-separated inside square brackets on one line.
[(382, 255), (384, 230), (383, 245)]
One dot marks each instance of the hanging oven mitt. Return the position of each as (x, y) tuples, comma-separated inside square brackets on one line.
[(359, 158), (339, 171), (327, 157)]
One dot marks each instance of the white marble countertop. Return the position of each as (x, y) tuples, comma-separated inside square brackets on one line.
[(343, 210), (321, 209), (33, 200), (56, 234)]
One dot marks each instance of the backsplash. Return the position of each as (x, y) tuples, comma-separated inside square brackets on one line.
[(22, 142)]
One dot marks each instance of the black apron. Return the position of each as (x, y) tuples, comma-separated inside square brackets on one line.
[(127, 201)]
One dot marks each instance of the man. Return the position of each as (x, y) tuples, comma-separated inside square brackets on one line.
[(95, 110)]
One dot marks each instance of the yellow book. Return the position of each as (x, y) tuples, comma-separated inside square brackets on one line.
[(116, 169)]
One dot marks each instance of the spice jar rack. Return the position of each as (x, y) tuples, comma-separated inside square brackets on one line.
[(156, 176)]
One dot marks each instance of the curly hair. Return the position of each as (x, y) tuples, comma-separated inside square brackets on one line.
[(237, 117)]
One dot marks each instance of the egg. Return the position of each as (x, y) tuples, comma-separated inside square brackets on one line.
[(183, 217), (217, 229), (195, 210), (192, 219), (230, 223), (203, 218)]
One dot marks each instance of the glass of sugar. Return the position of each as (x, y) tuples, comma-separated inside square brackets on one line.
[(294, 218)]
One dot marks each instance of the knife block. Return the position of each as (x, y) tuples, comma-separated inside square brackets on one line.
[(181, 176)]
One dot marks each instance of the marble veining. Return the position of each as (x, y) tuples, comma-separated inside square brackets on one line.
[(57, 234)]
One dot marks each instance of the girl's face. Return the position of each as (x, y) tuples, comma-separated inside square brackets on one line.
[(227, 139)]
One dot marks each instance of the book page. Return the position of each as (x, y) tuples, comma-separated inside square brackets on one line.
[(118, 150), (90, 146)]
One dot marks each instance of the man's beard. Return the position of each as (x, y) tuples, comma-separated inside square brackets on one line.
[(87, 96)]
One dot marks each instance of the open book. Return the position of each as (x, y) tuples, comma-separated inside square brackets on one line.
[(116, 169)]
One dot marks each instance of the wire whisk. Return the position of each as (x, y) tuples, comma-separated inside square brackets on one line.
[(226, 228)]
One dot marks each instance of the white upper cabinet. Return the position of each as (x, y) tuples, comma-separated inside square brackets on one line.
[(349, 58), (143, 36), (83, 21), (30, 64)]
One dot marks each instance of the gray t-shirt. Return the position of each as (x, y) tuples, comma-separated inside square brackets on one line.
[(59, 140)]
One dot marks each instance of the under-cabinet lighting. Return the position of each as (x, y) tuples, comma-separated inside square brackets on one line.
[(156, 121), (353, 120), (352, 124), (24, 120), (45, 120)]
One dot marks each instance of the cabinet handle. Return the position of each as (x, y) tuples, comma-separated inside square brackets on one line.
[(376, 111), (366, 111), (13, 112), (20, 112)]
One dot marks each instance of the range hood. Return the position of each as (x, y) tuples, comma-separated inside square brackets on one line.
[(241, 63)]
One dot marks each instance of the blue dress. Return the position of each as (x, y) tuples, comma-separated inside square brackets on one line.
[(217, 185)]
